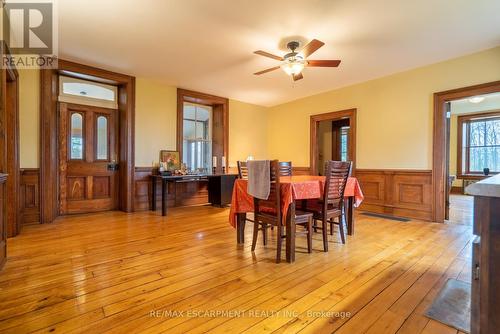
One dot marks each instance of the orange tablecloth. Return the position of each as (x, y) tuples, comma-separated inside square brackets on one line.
[(292, 188)]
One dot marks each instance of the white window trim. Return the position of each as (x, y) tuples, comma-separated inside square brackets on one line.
[(85, 100)]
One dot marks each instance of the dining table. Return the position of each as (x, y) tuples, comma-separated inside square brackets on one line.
[(293, 189)]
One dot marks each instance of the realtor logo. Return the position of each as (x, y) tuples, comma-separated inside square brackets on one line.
[(29, 32)]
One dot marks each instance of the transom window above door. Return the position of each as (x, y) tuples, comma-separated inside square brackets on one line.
[(73, 90)]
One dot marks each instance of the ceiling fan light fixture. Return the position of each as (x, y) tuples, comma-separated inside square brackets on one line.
[(293, 67)]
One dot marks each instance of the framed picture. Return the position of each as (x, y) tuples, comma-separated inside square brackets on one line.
[(170, 160)]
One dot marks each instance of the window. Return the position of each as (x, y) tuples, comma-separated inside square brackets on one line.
[(76, 144), (78, 91), (102, 138), (344, 135), (479, 138), (197, 137)]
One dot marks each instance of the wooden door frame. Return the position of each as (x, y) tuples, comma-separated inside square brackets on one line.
[(332, 116), (10, 163), (49, 140), (440, 141)]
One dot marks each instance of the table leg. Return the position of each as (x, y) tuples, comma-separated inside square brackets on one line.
[(164, 197), (290, 234), (241, 219), (153, 195), (350, 216)]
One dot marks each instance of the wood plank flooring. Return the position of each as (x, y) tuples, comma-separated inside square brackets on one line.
[(461, 209), (116, 272)]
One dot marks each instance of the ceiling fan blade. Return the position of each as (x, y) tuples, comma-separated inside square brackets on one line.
[(267, 54), (297, 77), (267, 70), (311, 47), (323, 63)]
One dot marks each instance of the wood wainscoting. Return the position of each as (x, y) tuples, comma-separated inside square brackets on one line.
[(181, 193), (404, 193), (29, 200), (301, 170)]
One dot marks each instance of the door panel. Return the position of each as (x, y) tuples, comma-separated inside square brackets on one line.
[(87, 139)]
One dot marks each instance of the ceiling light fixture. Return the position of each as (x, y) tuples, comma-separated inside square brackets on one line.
[(293, 65), (476, 99)]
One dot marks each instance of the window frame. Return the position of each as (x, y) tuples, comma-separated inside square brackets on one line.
[(467, 119), (96, 136), (220, 123), (70, 136)]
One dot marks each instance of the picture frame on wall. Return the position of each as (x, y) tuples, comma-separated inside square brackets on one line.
[(170, 160)]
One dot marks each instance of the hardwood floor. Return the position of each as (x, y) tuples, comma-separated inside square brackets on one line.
[(116, 272), (461, 209)]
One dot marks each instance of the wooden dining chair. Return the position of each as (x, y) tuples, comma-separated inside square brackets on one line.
[(285, 168), (331, 205), (268, 213), (242, 170)]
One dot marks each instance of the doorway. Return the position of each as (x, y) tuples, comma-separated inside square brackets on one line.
[(98, 184), (333, 137), (452, 162), (474, 150)]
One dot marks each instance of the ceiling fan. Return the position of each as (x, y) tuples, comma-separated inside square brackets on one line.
[(294, 62)]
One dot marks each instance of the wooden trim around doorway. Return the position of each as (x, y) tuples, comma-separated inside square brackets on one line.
[(49, 162), (440, 140), (332, 116)]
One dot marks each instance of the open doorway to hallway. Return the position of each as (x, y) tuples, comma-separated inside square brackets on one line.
[(473, 151), (333, 137), (333, 142)]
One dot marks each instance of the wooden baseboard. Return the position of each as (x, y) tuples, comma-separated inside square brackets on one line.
[(456, 190)]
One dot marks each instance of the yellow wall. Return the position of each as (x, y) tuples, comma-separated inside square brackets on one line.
[(155, 123), (394, 120), (155, 120), (247, 132), (29, 118)]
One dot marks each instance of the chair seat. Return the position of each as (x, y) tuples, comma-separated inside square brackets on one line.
[(316, 208), (302, 216), (334, 213)]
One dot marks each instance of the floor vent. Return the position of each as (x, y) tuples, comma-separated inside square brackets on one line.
[(379, 215)]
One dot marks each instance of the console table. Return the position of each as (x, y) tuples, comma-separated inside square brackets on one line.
[(485, 295), (164, 179), (217, 194)]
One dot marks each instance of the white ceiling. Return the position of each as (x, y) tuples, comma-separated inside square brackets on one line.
[(207, 45), (464, 106)]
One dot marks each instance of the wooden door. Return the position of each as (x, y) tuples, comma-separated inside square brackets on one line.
[(88, 148)]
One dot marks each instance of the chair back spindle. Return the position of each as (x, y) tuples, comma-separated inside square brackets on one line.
[(285, 168), (337, 173)]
